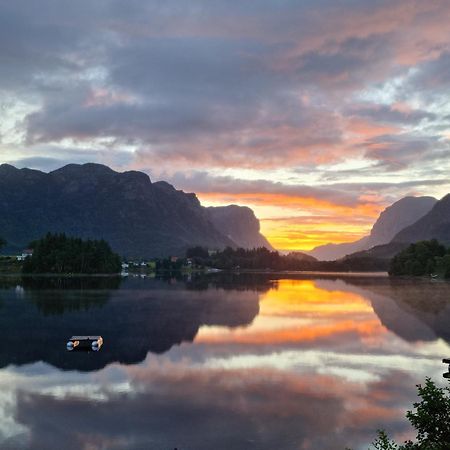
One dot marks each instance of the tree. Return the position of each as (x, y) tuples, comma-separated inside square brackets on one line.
[(430, 418), (421, 258), (2, 242)]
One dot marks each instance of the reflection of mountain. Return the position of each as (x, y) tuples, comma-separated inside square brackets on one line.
[(142, 316), (415, 310)]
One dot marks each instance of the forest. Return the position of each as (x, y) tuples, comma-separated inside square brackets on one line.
[(421, 259), (58, 253)]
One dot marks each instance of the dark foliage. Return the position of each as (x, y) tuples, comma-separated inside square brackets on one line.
[(57, 253), (422, 258), (2, 242), (263, 259), (430, 418)]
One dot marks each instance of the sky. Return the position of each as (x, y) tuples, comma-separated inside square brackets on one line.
[(316, 114)]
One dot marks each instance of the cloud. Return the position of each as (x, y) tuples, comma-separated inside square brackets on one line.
[(401, 114), (397, 152)]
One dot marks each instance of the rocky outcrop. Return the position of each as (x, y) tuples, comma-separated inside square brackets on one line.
[(239, 224)]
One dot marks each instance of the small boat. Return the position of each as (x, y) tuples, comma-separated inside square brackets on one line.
[(84, 343)]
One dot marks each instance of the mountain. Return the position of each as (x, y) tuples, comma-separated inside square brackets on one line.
[(239, 224), (434, 225), (393, 219), (302, 256), (137, 217)]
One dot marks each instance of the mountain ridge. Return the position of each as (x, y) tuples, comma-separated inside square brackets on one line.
[(138, 217)]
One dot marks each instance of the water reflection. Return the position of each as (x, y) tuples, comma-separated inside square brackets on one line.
[(261, 362), (416, 310), (143, 316)]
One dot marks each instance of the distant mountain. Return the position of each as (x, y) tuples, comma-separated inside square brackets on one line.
[(302, 256), (435, 224), (239, 224), (137, 217), (392, 220), (331, 252)]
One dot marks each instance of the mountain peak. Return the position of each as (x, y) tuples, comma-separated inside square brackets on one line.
[(91, 168)]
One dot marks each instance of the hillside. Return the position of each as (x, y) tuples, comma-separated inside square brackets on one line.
[(137, 217), (392, 220), (434, 225)]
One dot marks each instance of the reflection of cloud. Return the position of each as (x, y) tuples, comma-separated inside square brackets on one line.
[(199, 409)]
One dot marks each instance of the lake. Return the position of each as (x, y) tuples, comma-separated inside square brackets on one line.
[(222, 361)]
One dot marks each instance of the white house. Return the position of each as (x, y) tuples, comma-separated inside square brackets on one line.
[(25, 254)]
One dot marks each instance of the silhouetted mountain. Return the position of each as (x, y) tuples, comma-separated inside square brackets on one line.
[(239, 224), (434, 225), (137, 217), (393, 219)]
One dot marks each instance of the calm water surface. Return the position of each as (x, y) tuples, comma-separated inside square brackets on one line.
[(221, 362)]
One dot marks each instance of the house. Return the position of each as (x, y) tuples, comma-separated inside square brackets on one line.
[(125, 265), (174, 259), (25, 254)]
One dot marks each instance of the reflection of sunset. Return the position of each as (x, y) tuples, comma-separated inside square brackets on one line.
[(300, 311)]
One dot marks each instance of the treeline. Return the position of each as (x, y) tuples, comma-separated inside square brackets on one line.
[(263, 259), (58, 253), (422, 258)]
